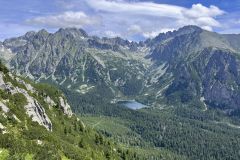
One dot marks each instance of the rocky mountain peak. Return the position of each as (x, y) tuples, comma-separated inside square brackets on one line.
[(43, 32), (30, 34), (189, 29), (186, 30), (40, 35), (73, 32)]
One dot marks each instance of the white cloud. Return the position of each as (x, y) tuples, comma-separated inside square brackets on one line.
[(207, 28), (198, 14), (139, 8), (153, 34), (111, 34), (198, 10), (237, 21), (66, 19), (134, 29), (130, 19)]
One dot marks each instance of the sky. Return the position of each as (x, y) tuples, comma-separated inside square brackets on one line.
[(129, 19)]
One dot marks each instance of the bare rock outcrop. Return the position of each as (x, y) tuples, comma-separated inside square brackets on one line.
[(33, 108), (65, 107), (37, 112)]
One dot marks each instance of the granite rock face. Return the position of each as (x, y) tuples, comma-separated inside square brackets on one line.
[(37, 112), (65, 107), (33, 108)]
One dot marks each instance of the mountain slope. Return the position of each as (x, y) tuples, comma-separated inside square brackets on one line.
[(205, 67), (36, 122)]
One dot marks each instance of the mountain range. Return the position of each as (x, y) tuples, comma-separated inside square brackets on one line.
[(187, 78), (186, 65)]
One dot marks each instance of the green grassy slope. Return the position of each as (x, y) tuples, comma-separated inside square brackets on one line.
[(22, 138)]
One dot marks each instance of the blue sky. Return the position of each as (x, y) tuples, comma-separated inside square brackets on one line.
[(130, 19)]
